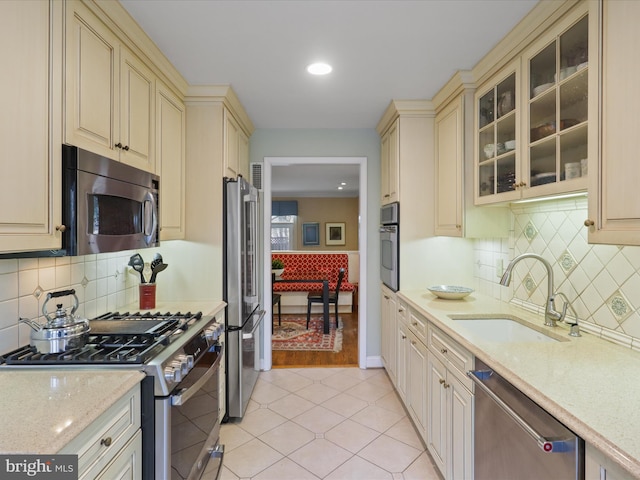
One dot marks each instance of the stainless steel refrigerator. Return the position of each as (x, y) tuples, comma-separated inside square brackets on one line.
[(244, 311)]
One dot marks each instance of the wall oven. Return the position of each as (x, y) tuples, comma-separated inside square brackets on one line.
[(390, 245)]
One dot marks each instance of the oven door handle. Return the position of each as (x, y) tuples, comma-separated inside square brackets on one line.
[(546, 444), (185, 394)]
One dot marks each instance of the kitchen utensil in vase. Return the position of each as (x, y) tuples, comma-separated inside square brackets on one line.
[(137, 263), (63, 331), (156, 270)]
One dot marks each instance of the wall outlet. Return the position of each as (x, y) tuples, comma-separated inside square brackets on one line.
[(499, 267)]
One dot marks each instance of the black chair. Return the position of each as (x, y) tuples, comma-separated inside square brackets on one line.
[(315, 296), (275, 300)]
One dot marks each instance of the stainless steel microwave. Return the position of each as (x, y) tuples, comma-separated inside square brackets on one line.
[(107, 206)]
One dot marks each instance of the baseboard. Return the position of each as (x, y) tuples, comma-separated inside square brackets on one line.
[(374, 362)]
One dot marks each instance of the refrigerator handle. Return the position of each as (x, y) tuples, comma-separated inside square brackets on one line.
[(548, 445)]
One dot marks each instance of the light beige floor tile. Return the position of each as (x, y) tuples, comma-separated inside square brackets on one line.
[(405, 432), (357, 468), (318, 373), (369, 392), (265, 392), (365, 374), (287, 437), (392, 402), (291, 406), (260, 421), (232, 436), (421, 469), (381, 380), (390, 454), (378, 418), (317, 393), (341, 381), (345, 405), (320, 457), (292, 382), (319, 419), (251, 406), (351, 436), (225, 474), (251, 458), (285, 469)]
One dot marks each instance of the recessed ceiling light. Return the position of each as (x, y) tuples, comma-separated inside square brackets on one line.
[(319, 68), (343, 183), (340, 188)]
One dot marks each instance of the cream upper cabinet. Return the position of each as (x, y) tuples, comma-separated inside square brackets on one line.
[(236, 155), (170, 155), (389, 165), (614, 213), (532, 118), (455, 213), (31, 99), (449, 169), (497, 172), (110, 93)]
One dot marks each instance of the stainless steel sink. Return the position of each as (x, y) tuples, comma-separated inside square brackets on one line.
[(504, 328)]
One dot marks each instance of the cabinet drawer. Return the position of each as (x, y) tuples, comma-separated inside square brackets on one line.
[(104, 438), (418, 325), (452, 353)]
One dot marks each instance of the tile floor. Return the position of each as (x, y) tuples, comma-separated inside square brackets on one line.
[(324, 423)]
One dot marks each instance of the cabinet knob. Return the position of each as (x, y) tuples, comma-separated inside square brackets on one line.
[(126, 148), (118, 145), (387, 195), (458, 227), (522, 184), (386, 297), (401, 310), (446, 385), (106, 442), (443, 350), (404, 337), (589, 223), (61, 228), (441, 381)]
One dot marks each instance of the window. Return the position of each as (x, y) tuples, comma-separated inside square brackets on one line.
[(283, 229)]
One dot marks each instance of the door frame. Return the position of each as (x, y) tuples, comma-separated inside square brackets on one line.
[(270, 162)]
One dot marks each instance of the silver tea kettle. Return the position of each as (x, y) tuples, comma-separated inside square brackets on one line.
[(63, 331)]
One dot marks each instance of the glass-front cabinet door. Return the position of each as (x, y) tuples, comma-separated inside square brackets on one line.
[(497, 120), (556, 82)]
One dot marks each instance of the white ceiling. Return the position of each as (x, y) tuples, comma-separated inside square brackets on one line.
[(380, 50), (315, 180)]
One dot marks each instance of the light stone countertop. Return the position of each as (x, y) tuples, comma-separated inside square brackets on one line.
[(587, 383), (44, 409)]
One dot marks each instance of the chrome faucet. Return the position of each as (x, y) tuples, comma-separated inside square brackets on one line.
[(551, 316)]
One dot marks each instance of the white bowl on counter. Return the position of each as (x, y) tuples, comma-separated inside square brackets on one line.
[(450, 292)]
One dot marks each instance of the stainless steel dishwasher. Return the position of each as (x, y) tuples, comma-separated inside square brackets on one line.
[(514, 438)]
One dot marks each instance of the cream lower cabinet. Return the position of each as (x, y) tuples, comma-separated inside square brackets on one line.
[(450, 418), (31, 99), (109, 93), (597, 466), (402, 354), (388, 319), (111, 447), (170, 156), (614, 174), (417, 388)]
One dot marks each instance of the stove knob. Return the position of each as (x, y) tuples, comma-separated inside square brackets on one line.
[(188, 359), (171, 374), (184, 363), (212, 333), (180, 366)]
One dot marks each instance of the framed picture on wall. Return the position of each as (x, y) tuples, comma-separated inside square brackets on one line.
[(335, 234), (311, 233)]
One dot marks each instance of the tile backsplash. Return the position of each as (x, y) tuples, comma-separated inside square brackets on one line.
[(602, 282), (102, 283)]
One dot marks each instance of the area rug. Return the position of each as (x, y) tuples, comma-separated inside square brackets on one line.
[(293, 334)]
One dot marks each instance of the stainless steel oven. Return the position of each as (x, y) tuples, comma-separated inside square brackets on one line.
[(390, 245), (187, 426)]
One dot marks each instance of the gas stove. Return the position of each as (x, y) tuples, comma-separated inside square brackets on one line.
[(163, 345)]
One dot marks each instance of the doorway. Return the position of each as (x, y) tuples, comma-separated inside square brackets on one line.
[(269, 164)]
